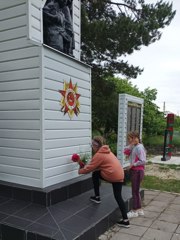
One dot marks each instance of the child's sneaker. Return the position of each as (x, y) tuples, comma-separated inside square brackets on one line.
[(132, 214), (140, 212), (123, 223), (95, 199)]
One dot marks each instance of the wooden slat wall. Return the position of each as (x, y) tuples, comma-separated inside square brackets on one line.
[(64, 136), (19, 97)]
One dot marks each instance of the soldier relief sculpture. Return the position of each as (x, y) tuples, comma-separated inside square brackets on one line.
[(57, 25)]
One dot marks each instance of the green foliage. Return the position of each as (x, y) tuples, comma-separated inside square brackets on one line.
[(107, 35), (154, 122), (152, 182), (177, 123), (176, 138)]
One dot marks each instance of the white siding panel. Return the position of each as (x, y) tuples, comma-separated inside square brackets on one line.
[(20, 105), (8, 4), (13, 34), (19, 95), (21, 179), (57, 115), (20, 115), (55, 106), (63, 134), (20, 124), (66, 124), (20, 134), (20, 53), (58, 143), (19, 64), (53, 162), (11, 12), (19, 85), (35, 21), (66, 152), (64, 68), (22, 153), (19, 171), (77, 27), (56, 96), (20, 74), (14, 44), (61, 178), (18, 143), (60, 170), (15, 22), (20, 162)]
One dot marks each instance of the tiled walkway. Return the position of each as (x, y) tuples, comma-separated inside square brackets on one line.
[(161, 220), (75, 218)]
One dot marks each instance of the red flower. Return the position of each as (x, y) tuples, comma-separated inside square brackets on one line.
[(75, 157), (127, 151)]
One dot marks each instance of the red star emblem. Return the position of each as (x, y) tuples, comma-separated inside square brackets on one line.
[(70, 100)]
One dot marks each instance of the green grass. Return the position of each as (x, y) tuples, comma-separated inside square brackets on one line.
[(169, 185)]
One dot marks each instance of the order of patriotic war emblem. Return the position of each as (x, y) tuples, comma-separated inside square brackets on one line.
[(70, 99)]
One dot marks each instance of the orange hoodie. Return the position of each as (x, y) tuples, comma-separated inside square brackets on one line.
[(105, 161)]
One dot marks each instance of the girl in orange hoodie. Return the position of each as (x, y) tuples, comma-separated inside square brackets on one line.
[(105, 165)]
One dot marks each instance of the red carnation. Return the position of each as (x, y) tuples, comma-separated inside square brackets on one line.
[(127, 151), (75, 157)]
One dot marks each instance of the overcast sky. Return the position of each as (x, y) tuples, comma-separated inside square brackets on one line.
[(161, 63)]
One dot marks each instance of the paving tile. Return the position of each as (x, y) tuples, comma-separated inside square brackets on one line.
[(64, 235), (164, 197), (175, 236), (13, 206), (76, 224), (154, 234), (170, 217), (158, 204), (41, 229), (152, 192), (150, 214), (32, 212), (123, 236), (152, 208), (134, 230), (178, 229), (48, 220), (16, 222), (173, 207), (3, 216), (176, 200), (164, 226), (58, 214), (141, 221)]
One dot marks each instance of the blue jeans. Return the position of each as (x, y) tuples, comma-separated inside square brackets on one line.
[(136, 179)]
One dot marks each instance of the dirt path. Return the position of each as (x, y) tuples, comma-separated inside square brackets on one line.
[(163, 172)]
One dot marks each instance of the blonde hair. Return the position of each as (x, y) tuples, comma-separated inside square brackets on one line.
[(99, 140), (133, 134)]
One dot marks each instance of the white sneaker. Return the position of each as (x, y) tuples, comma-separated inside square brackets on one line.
[(140, 212), (132, 214)]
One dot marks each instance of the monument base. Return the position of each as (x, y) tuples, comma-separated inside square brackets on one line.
[(49, 195), (75, 218)]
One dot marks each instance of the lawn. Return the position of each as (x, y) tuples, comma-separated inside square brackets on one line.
[(153, 182)]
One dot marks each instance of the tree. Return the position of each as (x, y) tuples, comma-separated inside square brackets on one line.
[(110, 31), (154, 122), (108, 34)]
